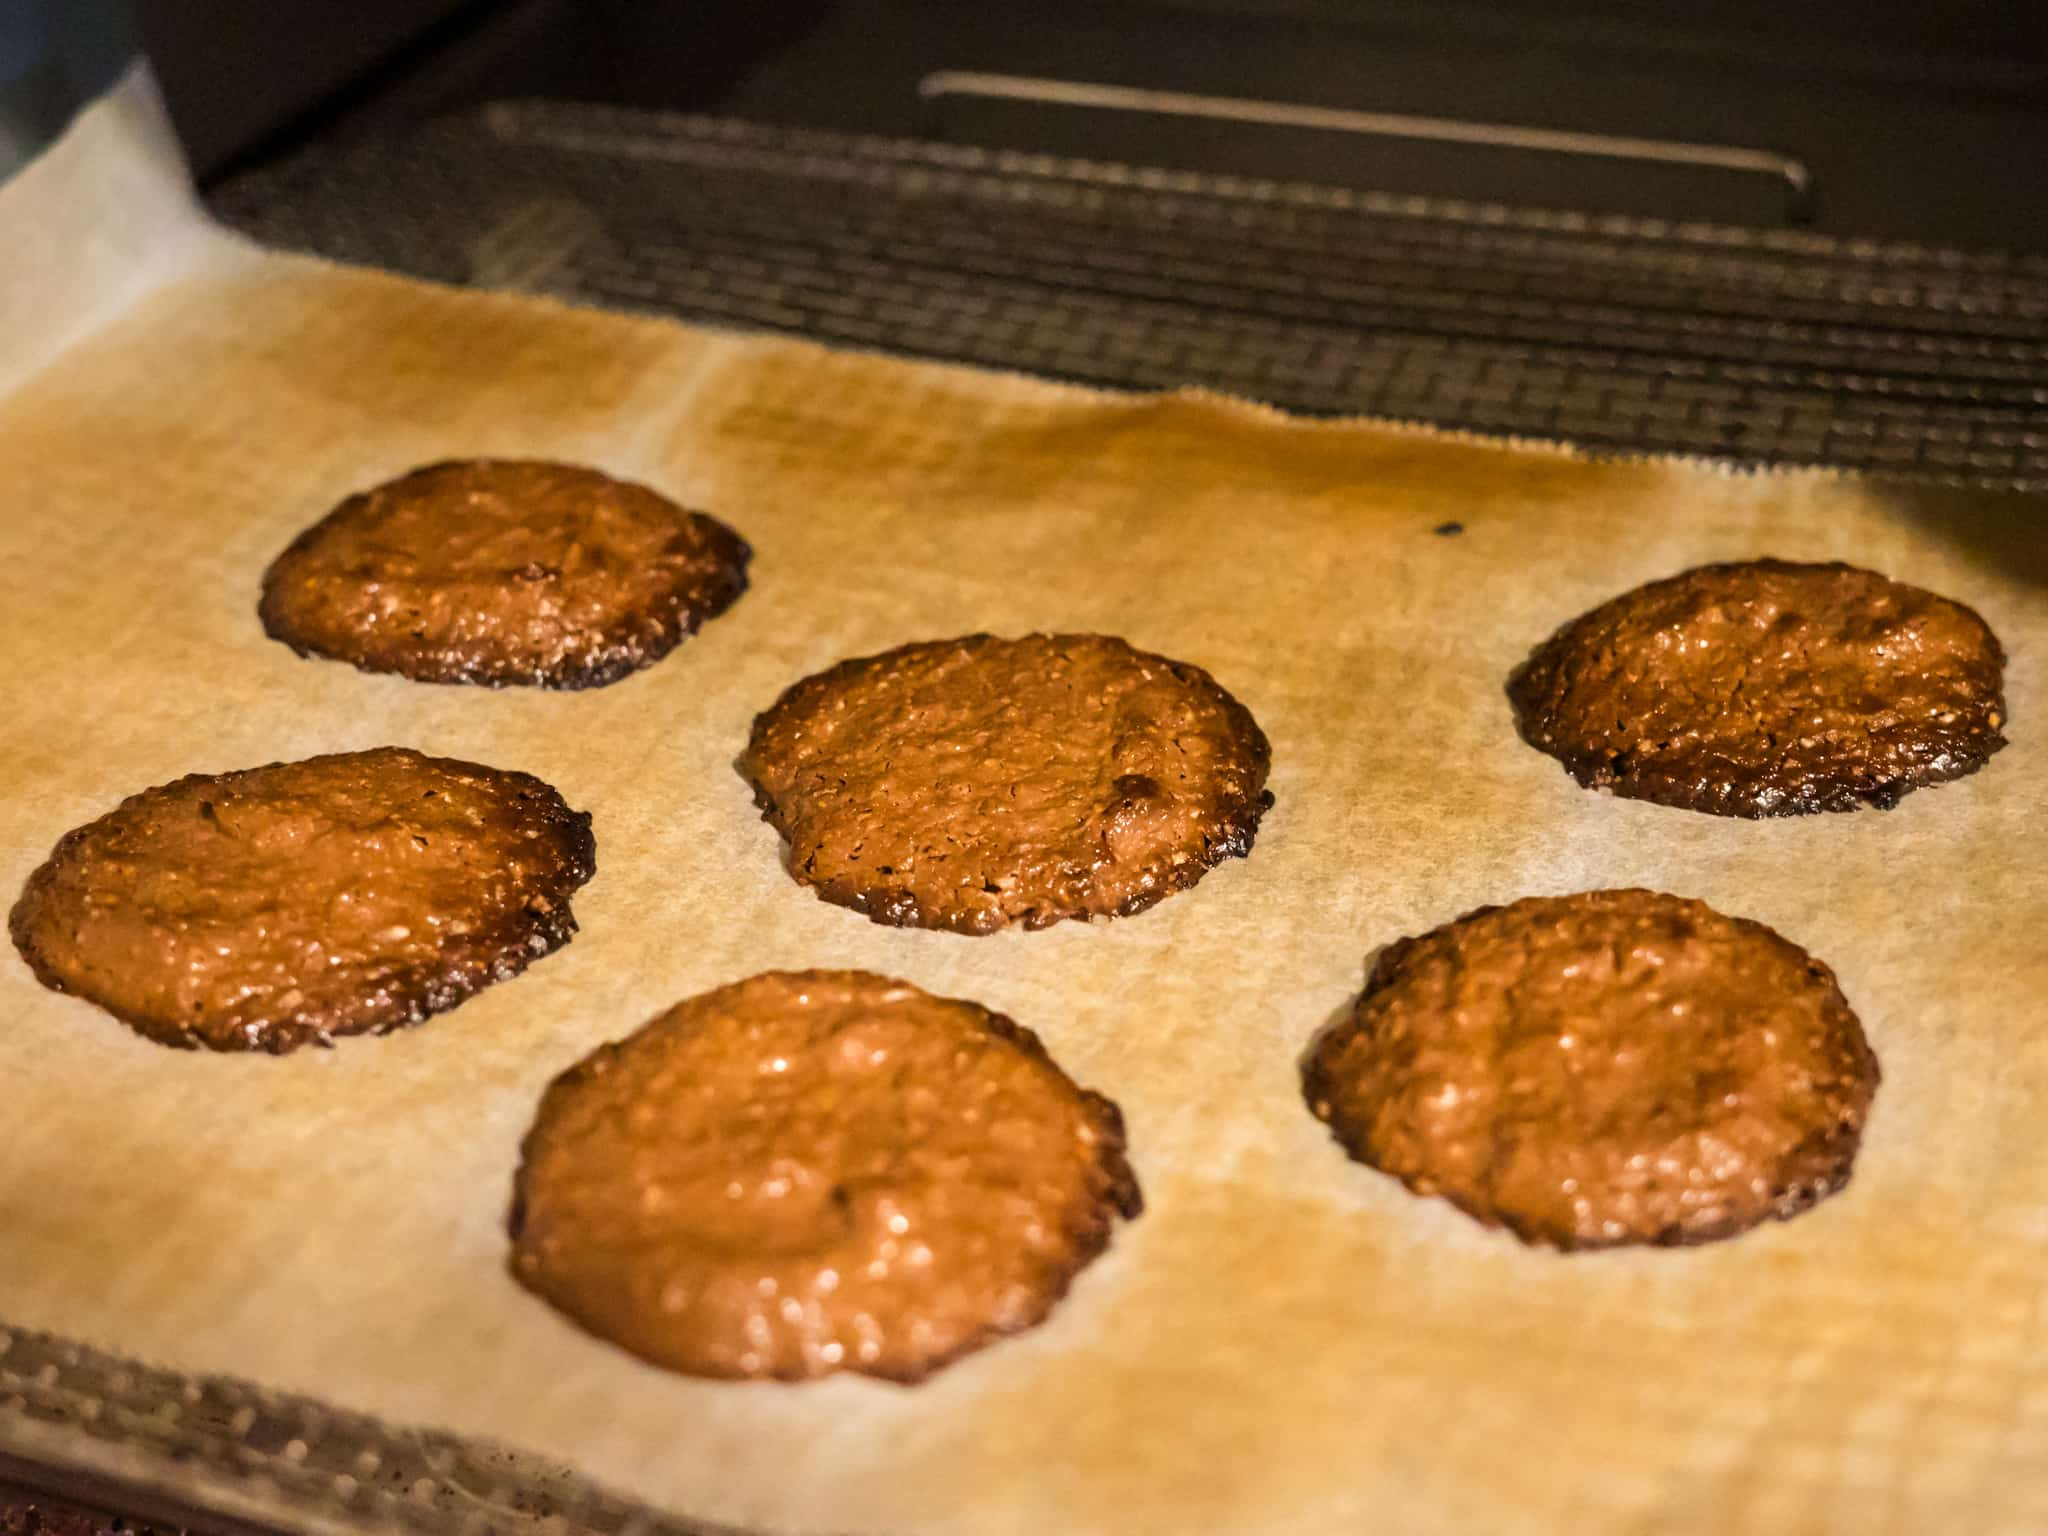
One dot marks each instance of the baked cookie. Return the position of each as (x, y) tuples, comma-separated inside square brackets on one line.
[(969, 784), (816, 1171), (1606, 1068), (341, 895), (500, 571), (1767, 689)]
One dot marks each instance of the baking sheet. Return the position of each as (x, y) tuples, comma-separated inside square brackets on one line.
[(1284, 1340)]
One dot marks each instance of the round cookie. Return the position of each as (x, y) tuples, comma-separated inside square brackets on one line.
[(973, 783), (1767, 688), (816, 1171), (342, 895), (1606, 1068), (501, 571)]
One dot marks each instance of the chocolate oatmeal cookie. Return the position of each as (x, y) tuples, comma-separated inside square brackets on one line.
[(969, 784), (1606, 1068), (273, 907), (502, 571), (816, 1171), (1767, 689)]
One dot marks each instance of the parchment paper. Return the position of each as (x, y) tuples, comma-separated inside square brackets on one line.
[(1285, 1340)]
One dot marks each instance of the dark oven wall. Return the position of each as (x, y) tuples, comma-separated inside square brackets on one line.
[(1909, 121)]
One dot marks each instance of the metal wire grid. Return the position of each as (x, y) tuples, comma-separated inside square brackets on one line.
[(1623, 335)]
